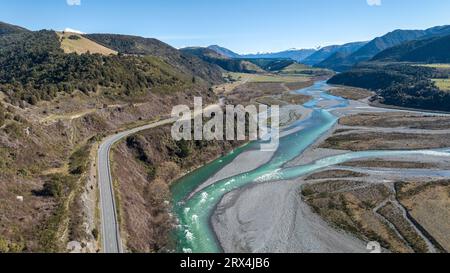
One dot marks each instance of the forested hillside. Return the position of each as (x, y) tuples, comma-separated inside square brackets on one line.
[(134, 45), (399, 84), (433, 50), (56, 102), (226, 63), (34, 67), (9, 29)]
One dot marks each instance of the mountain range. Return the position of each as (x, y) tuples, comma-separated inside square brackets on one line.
[(297, 55), (222, 60), (328, 51), (224, 51), (431, 50), (342, 61), (344, 57)]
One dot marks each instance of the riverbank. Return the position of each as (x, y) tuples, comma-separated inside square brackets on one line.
[(268, 217), (276, 220)]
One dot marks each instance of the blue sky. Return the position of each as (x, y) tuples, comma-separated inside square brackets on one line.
[(242, 25)]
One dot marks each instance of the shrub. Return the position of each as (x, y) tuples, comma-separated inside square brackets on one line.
[(151, 172), (4, 246), (307, 192), (95, 233), (138, 144), (74, 37), (183, 149), (168, 171), (79, 161), (157, 193), (2, 115), (52, 188), (57, 186), (14, 129)]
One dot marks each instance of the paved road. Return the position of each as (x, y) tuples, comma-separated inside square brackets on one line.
[(110, 225)]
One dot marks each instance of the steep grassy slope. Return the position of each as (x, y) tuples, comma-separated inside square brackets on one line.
[(76, 43)]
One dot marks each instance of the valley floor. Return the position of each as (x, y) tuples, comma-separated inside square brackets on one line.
[(402, 202)]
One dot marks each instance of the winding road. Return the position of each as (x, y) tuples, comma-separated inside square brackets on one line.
[(110, 224), (111, 238)]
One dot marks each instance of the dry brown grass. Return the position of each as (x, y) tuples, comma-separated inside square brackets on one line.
[(429, 205), (334, 174), (82, 45), (386, 141), (351, 93), (348, 205), (389, 164), (392, 120), (394, 215), (296, 99), (249, 92)]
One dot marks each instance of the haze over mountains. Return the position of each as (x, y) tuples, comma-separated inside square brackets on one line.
[(297, 55), (326, 52), (343, 57)]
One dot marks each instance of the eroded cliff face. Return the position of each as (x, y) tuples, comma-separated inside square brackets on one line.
[(144, 167)]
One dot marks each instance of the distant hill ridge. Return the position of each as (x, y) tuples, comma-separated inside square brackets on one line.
[(326, 52), (382, 43), (297, 55), (9, 29), (432, 50), (126, 66), (230, 64), (224, 51)]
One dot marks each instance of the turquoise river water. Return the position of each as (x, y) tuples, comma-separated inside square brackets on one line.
[(194, 232)]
